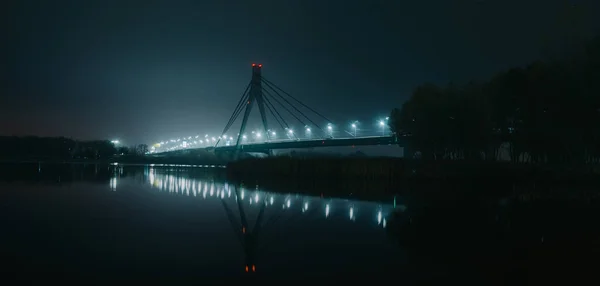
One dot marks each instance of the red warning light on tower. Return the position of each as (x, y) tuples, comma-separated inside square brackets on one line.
[(253, 65), (260, 65)]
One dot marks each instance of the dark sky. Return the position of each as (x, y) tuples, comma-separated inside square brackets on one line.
[(145, 71)]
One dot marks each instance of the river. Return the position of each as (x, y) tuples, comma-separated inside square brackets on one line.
[(179, 224)]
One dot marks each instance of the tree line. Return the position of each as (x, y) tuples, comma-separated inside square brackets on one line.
[(62, 149), (547, 112)]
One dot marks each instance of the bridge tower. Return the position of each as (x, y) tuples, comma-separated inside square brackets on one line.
[(254, 95), (267, 96)]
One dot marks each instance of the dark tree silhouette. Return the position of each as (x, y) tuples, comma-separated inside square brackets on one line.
[(547, 112)]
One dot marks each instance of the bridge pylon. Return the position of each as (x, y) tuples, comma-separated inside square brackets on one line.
[(255, 94), (267, 95)]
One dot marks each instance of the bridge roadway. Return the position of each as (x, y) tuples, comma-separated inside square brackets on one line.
[(297, 144)]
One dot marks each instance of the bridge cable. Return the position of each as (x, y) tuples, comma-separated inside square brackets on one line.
[(272, 113), (269, 103), (238, 107), (282, 105), (268, 82), (295, 108), (237, 111), (232, 120), (272, 107)]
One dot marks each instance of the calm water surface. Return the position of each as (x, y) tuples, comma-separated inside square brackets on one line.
[(176, 224)]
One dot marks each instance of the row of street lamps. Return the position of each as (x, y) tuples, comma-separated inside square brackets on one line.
[(258, 135)]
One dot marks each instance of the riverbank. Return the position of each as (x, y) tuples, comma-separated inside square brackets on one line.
[(446, 180), (128, 159)]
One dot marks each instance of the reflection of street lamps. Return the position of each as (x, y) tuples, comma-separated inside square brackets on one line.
[(382, 124)]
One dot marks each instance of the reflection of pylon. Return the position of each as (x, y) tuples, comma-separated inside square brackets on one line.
[(249, 236)]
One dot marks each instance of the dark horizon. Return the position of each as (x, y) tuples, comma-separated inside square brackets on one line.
[(149, 72)]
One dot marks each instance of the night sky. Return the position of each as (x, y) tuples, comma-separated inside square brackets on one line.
[(145, 71)]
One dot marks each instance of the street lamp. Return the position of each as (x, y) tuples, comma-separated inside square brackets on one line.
[(308, 133), (330, 129), (354, 127), (382, 124)]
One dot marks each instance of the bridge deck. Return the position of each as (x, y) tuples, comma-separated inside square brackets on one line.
[(297, 144)]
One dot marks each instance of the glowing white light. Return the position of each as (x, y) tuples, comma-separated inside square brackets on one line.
[(381, 123), (272, 200), (257, 134), (288, 203), (273, 133), (256, 197), (353, 125), (113, 184), (378, 217), (291, 131), (327, 210), (384, 223), (242, 195), (244, 137), (305, 207), (307, 129), (329, 127), (351, 213)]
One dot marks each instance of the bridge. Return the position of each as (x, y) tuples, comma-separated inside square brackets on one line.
[(327, 142), (279, 111)]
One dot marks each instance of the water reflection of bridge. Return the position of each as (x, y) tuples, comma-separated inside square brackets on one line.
[(212, 189), (256, 216)]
